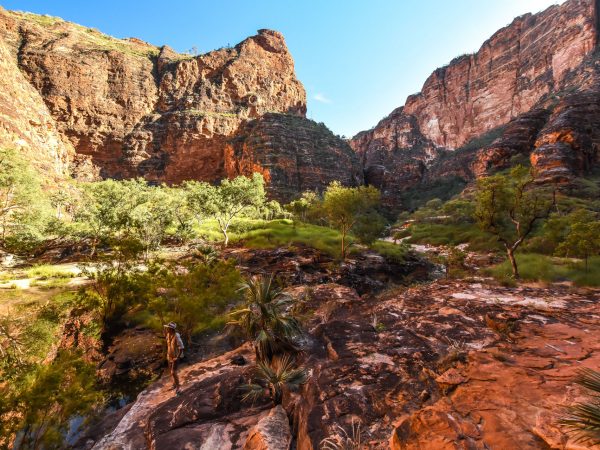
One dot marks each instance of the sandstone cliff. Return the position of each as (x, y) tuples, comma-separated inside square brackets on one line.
[(129, 109), (534, 80), (26, 123), (293, 154)]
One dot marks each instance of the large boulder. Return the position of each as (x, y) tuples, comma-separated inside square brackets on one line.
[(271, 432)]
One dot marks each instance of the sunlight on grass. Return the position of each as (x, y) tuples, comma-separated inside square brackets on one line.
[(276, 233), (47, 271), (452, 234), (281, 233), (536, 267), (394, 252)]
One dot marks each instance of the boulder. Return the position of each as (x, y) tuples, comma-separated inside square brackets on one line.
[(271, 432)]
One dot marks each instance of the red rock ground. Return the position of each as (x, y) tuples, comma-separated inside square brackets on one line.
[(456, 365)]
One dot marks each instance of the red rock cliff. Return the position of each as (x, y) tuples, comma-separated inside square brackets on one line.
[(131, 109), (536, 62)]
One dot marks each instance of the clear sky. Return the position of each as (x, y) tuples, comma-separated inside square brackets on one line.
[(357, 59)]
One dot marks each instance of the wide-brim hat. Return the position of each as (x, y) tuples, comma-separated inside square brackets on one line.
[(171, 325)]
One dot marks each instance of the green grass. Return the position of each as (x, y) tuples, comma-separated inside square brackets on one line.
[(52, 283), (41, 19), (283, 232), (90, 37), (394, 252), (7, 276), (536, 267), (275, 233), (444, 189), (47, 271), (452, 234)]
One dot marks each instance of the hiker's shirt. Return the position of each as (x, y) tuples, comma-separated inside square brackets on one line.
[(174, 346)]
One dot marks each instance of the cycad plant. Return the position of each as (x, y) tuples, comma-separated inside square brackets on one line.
[(265, 318), (274, 377), (583, 419)]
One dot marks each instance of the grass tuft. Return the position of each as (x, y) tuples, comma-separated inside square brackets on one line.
[(47, 271)]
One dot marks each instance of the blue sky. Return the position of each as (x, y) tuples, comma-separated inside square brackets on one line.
[(357, 59)]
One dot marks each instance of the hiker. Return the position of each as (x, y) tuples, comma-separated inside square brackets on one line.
[(174, 352)]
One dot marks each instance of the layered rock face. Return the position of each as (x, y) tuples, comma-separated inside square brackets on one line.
[(523, 76), (26, 123), (130, 109), (293, 154)]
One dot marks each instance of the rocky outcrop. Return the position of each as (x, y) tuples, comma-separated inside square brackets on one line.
[(123, 108), (517, 78), (26, 122), (446, 365), (517, 138), (208, 414), (271, 432), (293, 153), (569, 143)]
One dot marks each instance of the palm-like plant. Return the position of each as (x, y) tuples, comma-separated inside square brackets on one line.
[(265, 318), (274, 377), (583, 419)]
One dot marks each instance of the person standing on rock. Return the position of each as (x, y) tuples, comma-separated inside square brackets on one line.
[(174, 352)]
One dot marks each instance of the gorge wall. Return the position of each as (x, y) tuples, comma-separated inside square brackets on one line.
[(532, 89), (115, 108), (79, 102)]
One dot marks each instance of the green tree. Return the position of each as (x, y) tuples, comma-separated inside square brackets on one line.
[(182, 214), (274, 378), (582, 238), (151, 217), (232, 198), (369, 227), (197, 194), (117, 284), (105, 208), (509, 207), (24, 208), (301, 207), (265, 318), (345, 207)]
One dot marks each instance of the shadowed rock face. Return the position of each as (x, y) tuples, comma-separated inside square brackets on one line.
[(294, 154), (535, 75), (115, 108)]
